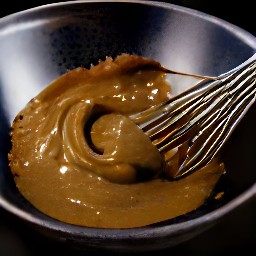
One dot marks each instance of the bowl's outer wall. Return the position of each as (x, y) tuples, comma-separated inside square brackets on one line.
[(38, 46)]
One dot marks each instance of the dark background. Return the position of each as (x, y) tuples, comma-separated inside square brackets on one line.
[(234, 235), (240, 13)]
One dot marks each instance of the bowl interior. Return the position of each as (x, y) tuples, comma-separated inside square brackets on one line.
[(40, 44)]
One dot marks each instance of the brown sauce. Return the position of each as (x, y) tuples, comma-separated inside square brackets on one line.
[(77, 157)]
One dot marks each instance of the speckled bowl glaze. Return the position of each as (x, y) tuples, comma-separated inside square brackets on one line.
[(40, 44)]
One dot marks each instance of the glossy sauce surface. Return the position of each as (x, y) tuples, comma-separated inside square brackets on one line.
[(77, 157)]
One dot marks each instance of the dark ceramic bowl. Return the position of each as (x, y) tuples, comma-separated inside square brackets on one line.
[(40, 44)]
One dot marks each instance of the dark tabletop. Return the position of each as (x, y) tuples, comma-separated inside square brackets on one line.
[(233, 235)]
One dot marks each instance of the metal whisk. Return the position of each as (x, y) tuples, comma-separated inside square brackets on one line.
[(203, 117)]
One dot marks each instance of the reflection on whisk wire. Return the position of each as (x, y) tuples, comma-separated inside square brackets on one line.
[(201, 119)]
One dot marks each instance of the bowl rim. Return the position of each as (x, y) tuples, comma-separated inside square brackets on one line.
[(234, 29), (141, 232)]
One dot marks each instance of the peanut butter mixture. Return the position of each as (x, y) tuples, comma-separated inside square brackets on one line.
[(77, 157)]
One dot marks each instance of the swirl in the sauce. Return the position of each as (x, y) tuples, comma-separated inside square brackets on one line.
[(77, 157)]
